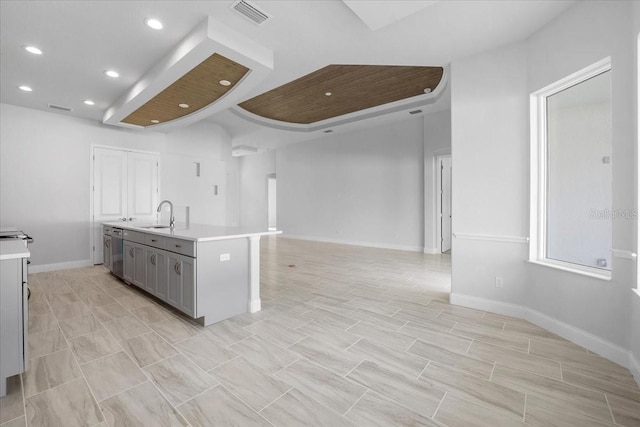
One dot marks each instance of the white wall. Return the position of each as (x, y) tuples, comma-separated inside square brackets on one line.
[(253, 189), (209, 145), (44, 175), (363, 187), (437, 140), (583, 35), (490, 144)]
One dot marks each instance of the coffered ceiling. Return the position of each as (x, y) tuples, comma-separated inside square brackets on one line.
[(80, 40), (193, 91), (336, 90)]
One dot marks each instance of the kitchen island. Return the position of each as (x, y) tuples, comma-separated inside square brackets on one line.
[(208, 272)]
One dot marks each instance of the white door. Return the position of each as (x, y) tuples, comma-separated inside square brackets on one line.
[(109, 193), (125, 189), (142, 188), (445, 203)]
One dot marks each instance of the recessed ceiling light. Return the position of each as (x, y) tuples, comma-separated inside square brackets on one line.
[(33, 49), (153, 23), (225, 82), (112, 73), (89, 102), (154, 121), (25, 88), (183, 105), (328, 94)]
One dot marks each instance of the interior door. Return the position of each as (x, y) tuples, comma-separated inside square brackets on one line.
[(142, 187), (109, 193), (445, 205), (125, 189)]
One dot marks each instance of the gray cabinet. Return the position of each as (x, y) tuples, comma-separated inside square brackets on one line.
[(181, 284), (139, 266), (156, 279), (129, 261), (108, 262), (165, 274), (173, 280), (14, 319), (135, 268), (166, 266)]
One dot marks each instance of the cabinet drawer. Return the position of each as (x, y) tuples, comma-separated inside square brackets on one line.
[(184, 247), (133, 236), (155, 241)]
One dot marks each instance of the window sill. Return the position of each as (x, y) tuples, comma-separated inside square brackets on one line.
[(594, 273)]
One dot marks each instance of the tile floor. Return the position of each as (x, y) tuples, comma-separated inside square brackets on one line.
[(347, 336)]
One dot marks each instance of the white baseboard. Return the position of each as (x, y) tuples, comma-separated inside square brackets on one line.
[(356, 243), (255, 306), (60, 266), (583, 338), (432, 251), (634, 367)]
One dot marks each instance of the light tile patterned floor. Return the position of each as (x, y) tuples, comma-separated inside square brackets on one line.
[(347, 336)]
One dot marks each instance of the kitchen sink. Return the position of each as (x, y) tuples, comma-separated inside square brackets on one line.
[(156, 226)]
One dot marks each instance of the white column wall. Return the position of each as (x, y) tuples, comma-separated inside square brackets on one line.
[(489, 119)]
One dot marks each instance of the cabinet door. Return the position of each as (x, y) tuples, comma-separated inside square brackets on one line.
[(140, 268), (107, 252), (161, 275), (129, 264), (186, 272), (174, 280), (151, 264)]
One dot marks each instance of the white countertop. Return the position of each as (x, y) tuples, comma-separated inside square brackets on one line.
[(13, 248), (196, 232)]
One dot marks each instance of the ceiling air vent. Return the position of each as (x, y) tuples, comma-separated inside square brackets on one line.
[(250, 11), (415, 112), (57, 107)]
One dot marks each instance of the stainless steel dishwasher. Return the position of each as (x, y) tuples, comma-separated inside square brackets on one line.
[(116, 252)]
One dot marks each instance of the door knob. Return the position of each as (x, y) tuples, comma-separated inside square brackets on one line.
[(122, 219)]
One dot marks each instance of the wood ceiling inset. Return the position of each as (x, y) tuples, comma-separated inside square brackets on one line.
[(352, 87), (197, 88)]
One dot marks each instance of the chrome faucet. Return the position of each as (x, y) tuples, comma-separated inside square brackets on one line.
[(172, 219)]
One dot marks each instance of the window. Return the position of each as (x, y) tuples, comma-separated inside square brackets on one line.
[(571, 214)]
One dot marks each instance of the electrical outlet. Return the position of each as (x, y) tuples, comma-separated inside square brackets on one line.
[(225, 257), (499, 282)]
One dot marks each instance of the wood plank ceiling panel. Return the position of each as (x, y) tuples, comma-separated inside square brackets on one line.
[(197, 88), (352, 87)]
